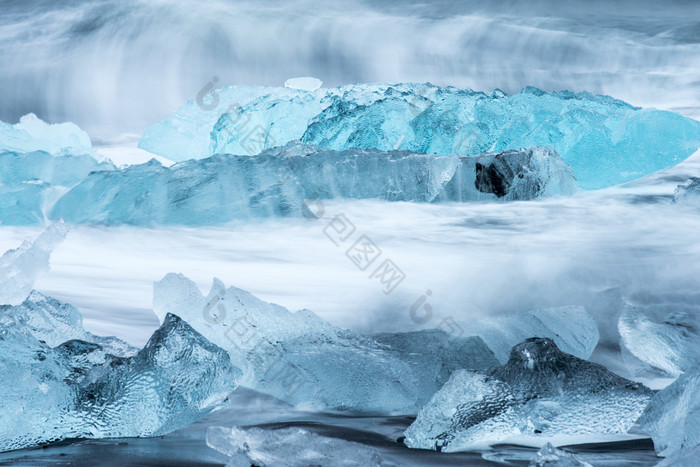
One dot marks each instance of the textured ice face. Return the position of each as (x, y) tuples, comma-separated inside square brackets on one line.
[(688, 192), (223, 188), (33, 134), (19, 268), (288, 446), (30, 183), (671, 344), (606, 141), (77, 390), (673, 416), (541, 392)]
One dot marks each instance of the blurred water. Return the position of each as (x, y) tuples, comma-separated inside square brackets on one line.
[(115, 66)]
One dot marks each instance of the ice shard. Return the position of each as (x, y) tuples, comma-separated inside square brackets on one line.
[(19, 268), (606, 141), (670, 343), (541, 393), (549, 456), (226, 187), (302, 359), (77, 390), (688, 192), (33, 134), (673, 416), (288, 446)]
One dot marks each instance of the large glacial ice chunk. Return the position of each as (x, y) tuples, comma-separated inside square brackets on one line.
[(78, 390), (226, 187), (288, 446), (19, 268), (673, 416), (670, 343), (688, 192), (606, 141), (30, 183), (540, 394), (33, 134)]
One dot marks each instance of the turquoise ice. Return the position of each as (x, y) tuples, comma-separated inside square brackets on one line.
[(225, 187), (606, 141)]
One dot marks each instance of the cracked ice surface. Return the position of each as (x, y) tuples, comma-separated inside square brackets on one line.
[(606, 141), (540, 393)]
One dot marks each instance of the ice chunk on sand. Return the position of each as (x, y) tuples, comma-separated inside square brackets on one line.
[(606, 141), (33, 134), (688, 192), (541, 393), (673, 416), (224, 187), (77, 390), (671, 343), (288, 446), (549, 456), (19, 268)]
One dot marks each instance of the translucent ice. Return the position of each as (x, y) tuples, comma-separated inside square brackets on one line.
[(33, 134), (225, 187), (299, 358), (671, 344), (688, 192), (289, 447), (606, 141), (673, 416), (77, 390), (19, 268), (549, 456), (573, 329), (540, 393), (30, 183)]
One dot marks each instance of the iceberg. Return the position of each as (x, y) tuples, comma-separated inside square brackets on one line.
[(606, 141), (288, 446), (671, 343), (673, 416), (33, 134), (549, 456), (30, 183), (688, 192), (540, 394), (19, 268), (227, 187), (304, 360)]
